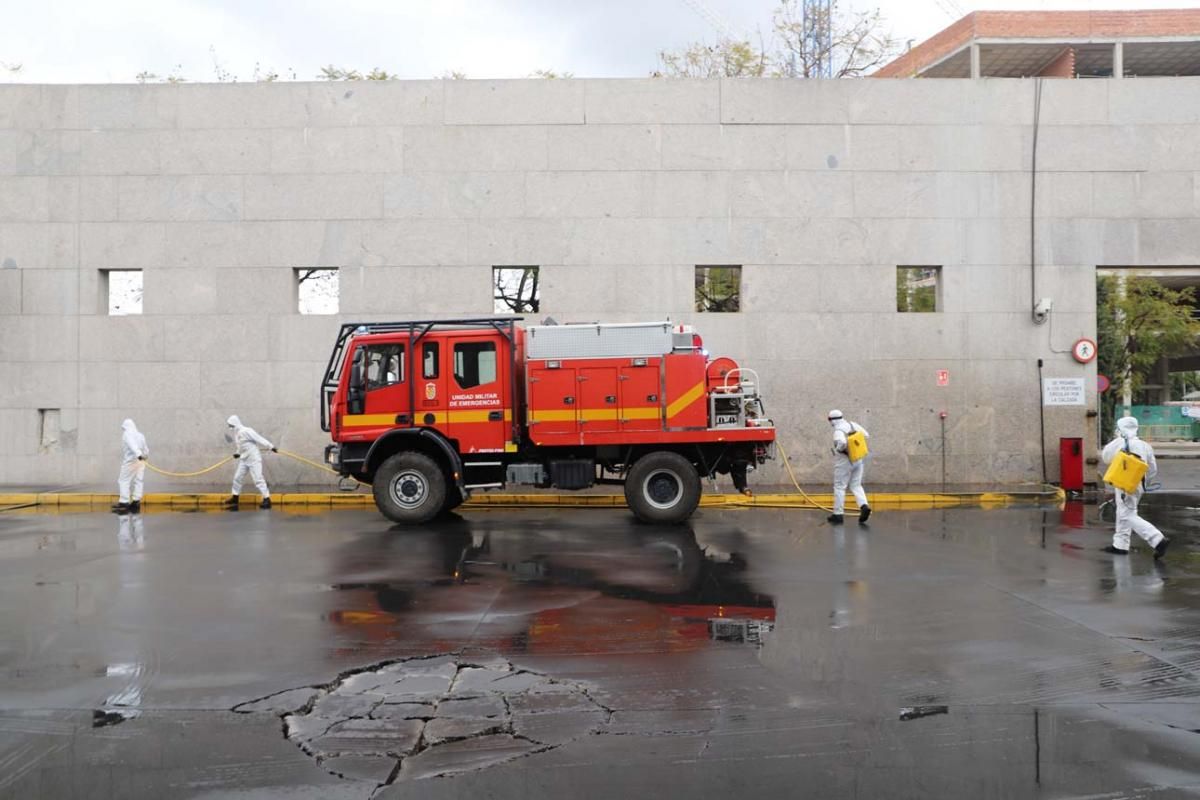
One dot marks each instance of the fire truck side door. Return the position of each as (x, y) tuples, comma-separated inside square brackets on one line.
[(480, 411), (597, 399), (431, 386), (553, 401), (641, 403), (386, 399)]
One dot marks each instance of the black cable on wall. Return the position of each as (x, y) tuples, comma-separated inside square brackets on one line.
[(1037, 115)]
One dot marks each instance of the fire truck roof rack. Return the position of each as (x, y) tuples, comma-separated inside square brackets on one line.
[(416, 329)]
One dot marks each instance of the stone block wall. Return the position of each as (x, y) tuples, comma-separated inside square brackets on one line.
[(617, 189)]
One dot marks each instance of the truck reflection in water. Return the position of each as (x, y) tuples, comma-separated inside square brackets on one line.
[(551, 589)]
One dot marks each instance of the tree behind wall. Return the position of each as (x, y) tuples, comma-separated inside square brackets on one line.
[(515, 290), (1135, 329), (855, 43)]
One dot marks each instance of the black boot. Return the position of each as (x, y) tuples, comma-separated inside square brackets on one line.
[(230, 502), (1160, 549), (120, 508), (266, 503), (835, 519), (864, 514), (135, 506), (1116, 551)]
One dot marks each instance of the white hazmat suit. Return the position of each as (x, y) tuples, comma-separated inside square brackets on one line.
[(847, 475), (1126, 502), (248, 445), (133, 465)]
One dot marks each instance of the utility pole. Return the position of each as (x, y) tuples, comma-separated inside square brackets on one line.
[(818, 38)]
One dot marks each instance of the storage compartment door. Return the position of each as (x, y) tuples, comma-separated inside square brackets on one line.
[(640, 401), (553, 402), (597, 399)]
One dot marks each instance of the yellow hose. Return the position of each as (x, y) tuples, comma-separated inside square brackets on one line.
[(795, 482), (227, 459), (170, 474), (316, 464)]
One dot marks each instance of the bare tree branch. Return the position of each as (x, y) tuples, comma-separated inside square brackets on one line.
[(850, 44)]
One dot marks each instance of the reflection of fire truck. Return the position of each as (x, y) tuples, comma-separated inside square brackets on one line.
[(550, 587), (430, 411)]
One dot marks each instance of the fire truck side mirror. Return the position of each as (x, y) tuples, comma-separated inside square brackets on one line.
[(355, 389)]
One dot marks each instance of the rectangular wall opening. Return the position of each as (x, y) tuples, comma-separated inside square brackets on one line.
[(1148, 355), (718, 288), (120, 292), (49, 424), (318, 290), (918, 289), (515, 290)]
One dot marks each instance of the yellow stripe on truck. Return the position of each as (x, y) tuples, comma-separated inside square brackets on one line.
[(686, 399), (367, 420), (551, 416), (439, 417)]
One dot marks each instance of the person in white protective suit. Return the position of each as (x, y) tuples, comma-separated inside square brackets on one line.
[(248, 446), (133, 468), (1126, 502), (846, 474)]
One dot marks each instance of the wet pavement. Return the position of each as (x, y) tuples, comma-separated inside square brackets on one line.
[(539, 653)]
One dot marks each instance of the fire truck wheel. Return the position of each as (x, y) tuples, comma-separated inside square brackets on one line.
[(453, 500), (663, 487), (409, 487)]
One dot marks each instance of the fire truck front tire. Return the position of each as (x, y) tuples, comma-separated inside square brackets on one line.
[(662, 487), (409, 487)]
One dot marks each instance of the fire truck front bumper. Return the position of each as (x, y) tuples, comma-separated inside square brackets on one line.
[(347, 458)]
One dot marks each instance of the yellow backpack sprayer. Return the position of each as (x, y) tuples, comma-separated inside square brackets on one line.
[(856, 445), (1126, 471)]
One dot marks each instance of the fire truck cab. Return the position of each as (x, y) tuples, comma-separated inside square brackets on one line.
[(429, 411)]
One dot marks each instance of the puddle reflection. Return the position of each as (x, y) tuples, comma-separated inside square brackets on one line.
[(549, 588)]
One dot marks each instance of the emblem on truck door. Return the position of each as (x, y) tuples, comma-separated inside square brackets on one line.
[(431, 391)]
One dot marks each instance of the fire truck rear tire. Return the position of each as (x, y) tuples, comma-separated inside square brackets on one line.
[(662, 487), (409, 487), (453, 500)]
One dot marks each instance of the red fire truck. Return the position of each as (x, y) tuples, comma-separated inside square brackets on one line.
[(429, 411)]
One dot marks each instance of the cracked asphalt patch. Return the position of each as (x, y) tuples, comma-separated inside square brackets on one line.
[(427, 717)]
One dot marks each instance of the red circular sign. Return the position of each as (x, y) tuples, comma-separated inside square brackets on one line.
[(1084, 351), (1102, 383)]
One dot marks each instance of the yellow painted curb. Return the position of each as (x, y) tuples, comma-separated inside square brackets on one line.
[(880, 500)]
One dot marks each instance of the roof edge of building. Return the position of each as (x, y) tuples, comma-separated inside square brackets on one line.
[(992, 25)]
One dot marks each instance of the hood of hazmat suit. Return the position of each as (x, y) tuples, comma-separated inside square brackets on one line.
[(133, 443)]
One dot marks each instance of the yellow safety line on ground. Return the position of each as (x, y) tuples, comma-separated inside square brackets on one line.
[(883, 500), (892, 500)]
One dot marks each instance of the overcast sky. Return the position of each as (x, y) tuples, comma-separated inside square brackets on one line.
[(57, 41)]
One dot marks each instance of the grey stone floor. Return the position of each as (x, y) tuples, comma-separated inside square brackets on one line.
[(540, 653)]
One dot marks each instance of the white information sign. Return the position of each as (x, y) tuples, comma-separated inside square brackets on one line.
[(1063, 392), (1191, 412)]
